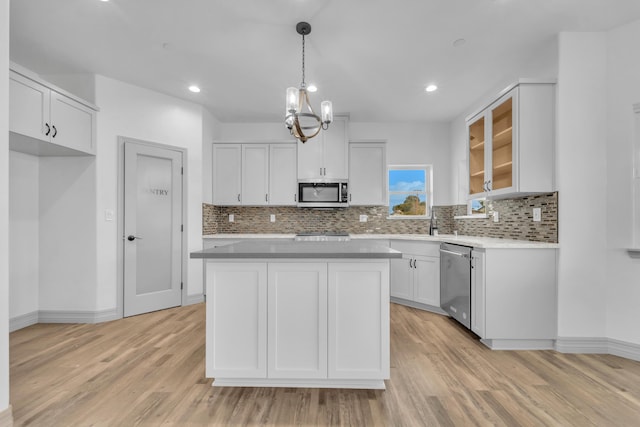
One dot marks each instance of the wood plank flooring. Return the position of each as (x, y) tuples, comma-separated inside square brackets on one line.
[(149, 370)]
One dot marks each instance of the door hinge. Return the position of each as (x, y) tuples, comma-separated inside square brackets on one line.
[(181, 286)]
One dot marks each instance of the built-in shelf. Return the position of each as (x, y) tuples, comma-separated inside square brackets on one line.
[(474, 216), (502, 165), (478, 145)]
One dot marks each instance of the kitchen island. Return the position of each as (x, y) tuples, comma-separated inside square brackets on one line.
[(284, 313)]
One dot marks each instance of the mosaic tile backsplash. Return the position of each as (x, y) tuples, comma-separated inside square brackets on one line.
[(516, 220)]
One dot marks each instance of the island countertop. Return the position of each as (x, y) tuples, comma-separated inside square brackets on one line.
[(288, 249)]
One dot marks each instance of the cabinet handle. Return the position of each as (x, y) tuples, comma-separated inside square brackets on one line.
[(320, 171), (295, 197), (414, 263), (349, 196), (325, 171), (410, 266), (266, 197), (238, 196), (48, 129), (55, 132), (488, 184)]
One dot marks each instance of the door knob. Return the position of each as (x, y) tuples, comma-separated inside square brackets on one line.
[(131, 237)]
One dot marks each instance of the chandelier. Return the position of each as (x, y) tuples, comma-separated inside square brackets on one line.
[(300, 119)]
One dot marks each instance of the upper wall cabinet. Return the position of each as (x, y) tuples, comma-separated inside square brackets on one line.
[(325, 157), (367, 174), (254, 174), (45, 121), (511, 143)]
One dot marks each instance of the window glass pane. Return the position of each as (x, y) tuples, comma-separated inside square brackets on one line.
[(477, 206), (407, 180), (407, 204)]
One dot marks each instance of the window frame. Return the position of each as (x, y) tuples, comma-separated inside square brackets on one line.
[(428, 169)]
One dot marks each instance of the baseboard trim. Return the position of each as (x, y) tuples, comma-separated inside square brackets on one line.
[(194, 299), (290, 383), (588, 345), (6, 417), (23, 320), (418, 305), (73, 316), (526, 344)]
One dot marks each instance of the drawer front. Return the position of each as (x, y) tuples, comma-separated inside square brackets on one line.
[(430, 249)]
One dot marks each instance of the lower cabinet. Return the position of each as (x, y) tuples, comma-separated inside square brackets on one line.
[(514, 297), (298, 323), (415, 278)]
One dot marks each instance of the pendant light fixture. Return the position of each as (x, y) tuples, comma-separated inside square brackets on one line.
[(300, 119)]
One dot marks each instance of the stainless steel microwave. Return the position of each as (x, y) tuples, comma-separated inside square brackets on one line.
[(323, 194)]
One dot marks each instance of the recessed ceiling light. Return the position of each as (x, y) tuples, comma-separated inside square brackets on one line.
[(194, 89), (431, 88), (104, 0), (312, 88)]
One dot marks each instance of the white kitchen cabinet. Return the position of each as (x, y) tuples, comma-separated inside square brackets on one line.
[(477, 292), (254, 174), (297, 337), (358, 320), (325, 156), (367, 174), (227, 174), (283, 184), (298, 323), (415, 278), (236, 295), (511, 143), (514, 297), (44, 121)]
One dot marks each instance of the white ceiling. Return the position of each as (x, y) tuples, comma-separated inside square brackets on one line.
[(372, 58)]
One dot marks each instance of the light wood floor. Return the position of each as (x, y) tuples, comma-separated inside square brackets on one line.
[(149, 370)]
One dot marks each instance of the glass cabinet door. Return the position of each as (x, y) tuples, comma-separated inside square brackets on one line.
[(476, 156), (502, 146)]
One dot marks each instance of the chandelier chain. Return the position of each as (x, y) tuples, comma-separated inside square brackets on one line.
[(303, 84)]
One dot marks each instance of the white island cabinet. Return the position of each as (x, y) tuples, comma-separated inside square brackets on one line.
[(298, 314)]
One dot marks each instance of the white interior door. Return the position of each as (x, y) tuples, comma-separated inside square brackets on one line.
[(152, 228)]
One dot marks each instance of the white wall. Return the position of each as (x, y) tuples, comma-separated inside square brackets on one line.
[(581, 182), (622, 282), (134, 112), (542, 63), (410, 143), (4, 206), (210, 127), (67, 243), (414, 143), (24, 227)]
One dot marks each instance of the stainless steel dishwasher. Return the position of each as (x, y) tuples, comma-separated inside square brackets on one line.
[(455, 282)]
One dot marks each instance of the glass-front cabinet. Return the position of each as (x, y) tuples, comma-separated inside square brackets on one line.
[(511, 143)]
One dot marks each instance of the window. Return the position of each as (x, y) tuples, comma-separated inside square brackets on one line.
[(477, 207), (410, 191)]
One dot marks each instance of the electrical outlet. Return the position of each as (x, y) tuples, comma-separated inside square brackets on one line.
[(496, 216), (363, 218), (231, 218), (272, 218), (537, 214), (108, 215)]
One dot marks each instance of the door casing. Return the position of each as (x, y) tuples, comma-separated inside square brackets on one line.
[(120, 217)]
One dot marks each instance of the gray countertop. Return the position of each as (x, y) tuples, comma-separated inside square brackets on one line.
[(475, 241), (284, 248)]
